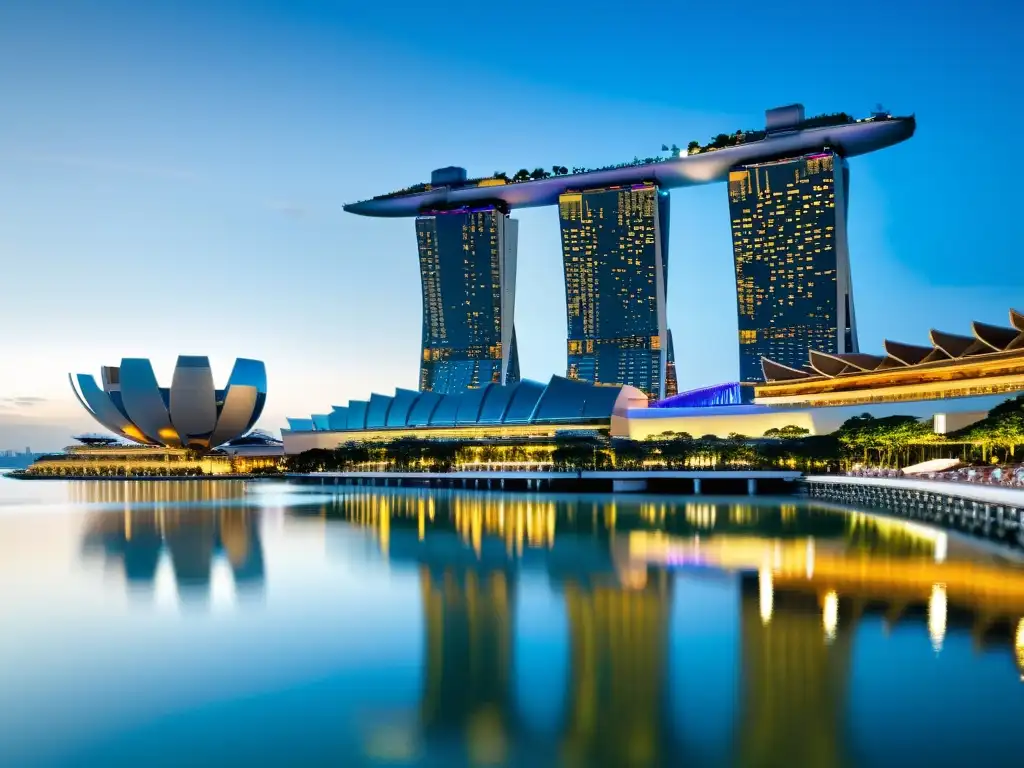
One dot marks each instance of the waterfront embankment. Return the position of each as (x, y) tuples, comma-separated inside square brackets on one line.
[(687, 482), (990, 511)]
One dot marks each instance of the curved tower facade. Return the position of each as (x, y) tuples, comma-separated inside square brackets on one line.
[(468, 274), (794, 292), (615, 257)]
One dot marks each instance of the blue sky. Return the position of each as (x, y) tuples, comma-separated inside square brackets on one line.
[(172, 173)]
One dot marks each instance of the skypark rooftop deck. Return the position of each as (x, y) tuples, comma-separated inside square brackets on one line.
[(779, 139)]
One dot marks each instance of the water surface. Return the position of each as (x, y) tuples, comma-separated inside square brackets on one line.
[(215, 623)]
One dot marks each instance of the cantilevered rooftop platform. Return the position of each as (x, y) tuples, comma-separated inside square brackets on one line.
[(711, 165)]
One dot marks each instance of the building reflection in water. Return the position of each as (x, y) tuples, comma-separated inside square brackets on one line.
[(192, 524), (794, 678), (468, 667), (618, 711), (808, 575)]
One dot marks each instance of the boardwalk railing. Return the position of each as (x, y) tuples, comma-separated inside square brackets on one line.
[(991, 511)]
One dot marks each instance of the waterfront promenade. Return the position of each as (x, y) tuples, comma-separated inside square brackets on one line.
[(991, 511), (975, 492), (694, 482)]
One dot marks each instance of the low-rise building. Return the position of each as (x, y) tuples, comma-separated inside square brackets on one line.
[(955, 381)]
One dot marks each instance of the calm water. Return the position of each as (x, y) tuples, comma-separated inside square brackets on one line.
[(217, 624)]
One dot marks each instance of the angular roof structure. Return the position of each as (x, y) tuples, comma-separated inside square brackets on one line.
[(560, 401), (985, 342)]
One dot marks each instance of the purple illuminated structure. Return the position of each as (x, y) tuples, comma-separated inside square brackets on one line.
[(705, 397)]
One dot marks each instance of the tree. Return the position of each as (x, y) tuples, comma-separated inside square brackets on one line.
[(693, 147), (314, 460), (539, 173), (787, 432), (521, 175), (403, 453), (677, 452), (501, 175), (888, 437), (629, 454), (1003, 427), (488, 455)]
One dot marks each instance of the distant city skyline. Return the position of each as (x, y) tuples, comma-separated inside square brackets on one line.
[(173, 175)]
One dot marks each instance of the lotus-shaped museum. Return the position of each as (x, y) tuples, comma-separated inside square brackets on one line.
[(191, 413)]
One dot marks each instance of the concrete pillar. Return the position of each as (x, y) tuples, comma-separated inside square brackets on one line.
[(751, 486), (696, 486)]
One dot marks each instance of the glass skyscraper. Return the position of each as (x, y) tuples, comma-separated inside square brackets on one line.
[(468, 273), (615, 256), (793, 285)]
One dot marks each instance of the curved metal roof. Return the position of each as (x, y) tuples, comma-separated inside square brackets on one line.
[(472, 403), (561, 400), (524, 401), (401, 405), (422, 409), (495, 404), (357, 414), (848, 139), (377, 413), (338, 418), (446, 411), (984, 340)]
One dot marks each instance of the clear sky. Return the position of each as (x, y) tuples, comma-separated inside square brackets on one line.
[(172, 173)]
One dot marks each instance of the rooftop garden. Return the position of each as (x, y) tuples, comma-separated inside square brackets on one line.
[(721, 141)]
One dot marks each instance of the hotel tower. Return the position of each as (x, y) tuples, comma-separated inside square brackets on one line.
[(468, 274), (794, 291)]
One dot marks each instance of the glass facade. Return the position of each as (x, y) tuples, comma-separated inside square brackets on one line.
[(615, 256), (468, 273), (793, 284), (671, 381)]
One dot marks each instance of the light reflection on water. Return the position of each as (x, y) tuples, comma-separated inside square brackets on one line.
[(211, 622)]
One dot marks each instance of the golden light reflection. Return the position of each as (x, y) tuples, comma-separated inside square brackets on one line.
[(701, 515), (1019, 647), (766, 593), (937, 605), (830, 615)]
